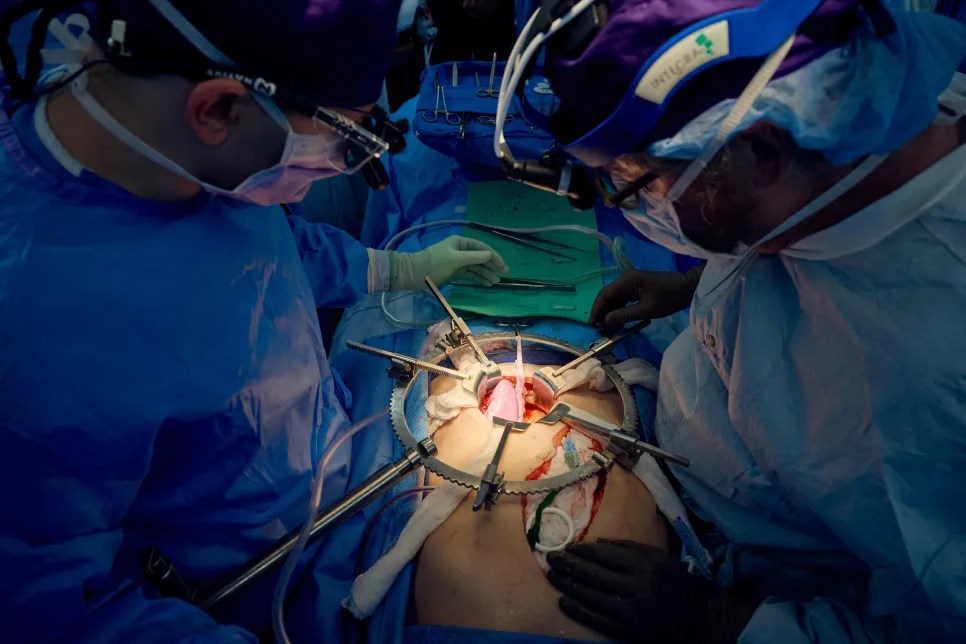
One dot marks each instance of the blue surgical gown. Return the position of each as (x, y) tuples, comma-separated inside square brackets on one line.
[(821, 397), (162, 383)]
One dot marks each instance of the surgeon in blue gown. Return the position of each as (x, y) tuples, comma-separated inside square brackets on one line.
[(820, 391), (162, 378)]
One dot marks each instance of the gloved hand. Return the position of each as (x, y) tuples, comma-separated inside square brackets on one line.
[(451, 259), (643, 295), (635, 593)]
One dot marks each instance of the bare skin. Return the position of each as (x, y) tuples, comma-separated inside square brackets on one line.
[(911, 160), (477, 570), (214, 129), (758, 191)]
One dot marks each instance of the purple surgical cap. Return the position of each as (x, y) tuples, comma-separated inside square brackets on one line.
[(591, 85), (334, 52)]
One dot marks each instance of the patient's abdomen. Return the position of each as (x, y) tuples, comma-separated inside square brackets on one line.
[(477, 569)]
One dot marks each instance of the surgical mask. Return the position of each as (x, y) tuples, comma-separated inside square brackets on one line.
[(658, 220), (306, 158)]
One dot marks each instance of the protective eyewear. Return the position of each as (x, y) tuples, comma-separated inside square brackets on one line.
[(766, 30), (366, 140), (620, 193)]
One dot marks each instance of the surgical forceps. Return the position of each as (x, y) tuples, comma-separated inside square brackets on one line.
[(537, 239), (487, 119), (488, 92), (517, 236), (520, 241), (432, 116), (513, 284)]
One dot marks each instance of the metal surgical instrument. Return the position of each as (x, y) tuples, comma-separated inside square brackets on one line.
[(626, 447), (525, 285), (534, 237), (491, 482), (432, 116), (489, 92), (523, 242), (601, 347), (403, 365), (487, 119), (460, 332)]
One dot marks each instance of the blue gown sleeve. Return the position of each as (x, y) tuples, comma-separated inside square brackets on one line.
[(933, 592), (384, 213), (133, 618), (61, 545), (823, 620), (336, 265)]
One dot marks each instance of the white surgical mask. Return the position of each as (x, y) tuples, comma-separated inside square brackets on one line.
[(306, 158), (657, 218)]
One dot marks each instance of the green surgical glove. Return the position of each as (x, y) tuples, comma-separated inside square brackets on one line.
[(454, 258)]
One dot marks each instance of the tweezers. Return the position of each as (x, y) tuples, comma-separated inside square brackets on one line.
[(536, 238), (526, 285), (529, 240), (529, 244)]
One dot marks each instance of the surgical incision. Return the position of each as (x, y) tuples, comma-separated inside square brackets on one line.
[(479, 569), (554, 520)]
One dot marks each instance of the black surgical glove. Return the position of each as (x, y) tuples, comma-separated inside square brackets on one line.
[(643, 295), (635, 593)]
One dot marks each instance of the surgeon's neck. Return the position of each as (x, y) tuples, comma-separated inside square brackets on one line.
[(104, 154), (915, 157)]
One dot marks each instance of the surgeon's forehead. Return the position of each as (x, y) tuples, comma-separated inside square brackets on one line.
[(626, 166), (634, 165)]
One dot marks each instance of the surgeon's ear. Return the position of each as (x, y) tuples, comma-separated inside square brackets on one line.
[(768, 146), (212, 106)]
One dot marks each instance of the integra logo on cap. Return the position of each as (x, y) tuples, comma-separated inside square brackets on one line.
[(681, 59), (258, 84)]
